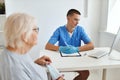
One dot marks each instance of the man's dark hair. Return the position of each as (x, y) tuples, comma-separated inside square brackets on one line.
[(72, 11)]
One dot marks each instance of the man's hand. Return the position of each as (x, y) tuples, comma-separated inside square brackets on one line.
[(43, 60), (69, 49)]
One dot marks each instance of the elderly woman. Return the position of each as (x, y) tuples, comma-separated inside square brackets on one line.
[(15, 63)]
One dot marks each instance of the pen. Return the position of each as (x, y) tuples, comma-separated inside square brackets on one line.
[(79, 53), (66, 43)]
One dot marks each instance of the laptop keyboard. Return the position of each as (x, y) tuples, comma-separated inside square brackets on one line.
[(98, 54)]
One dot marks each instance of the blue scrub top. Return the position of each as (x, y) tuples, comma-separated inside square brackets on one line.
[(62, 36)]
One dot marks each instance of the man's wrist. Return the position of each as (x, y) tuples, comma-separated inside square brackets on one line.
[(78, 48)]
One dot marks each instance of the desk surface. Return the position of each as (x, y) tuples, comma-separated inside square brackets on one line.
[(80, 63)]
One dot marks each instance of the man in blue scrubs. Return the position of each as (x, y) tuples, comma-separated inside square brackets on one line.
[(69, 39)]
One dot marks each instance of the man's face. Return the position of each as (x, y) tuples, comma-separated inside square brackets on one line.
[(73, 20)]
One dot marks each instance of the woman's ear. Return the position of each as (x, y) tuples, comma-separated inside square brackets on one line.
[(23, 37)]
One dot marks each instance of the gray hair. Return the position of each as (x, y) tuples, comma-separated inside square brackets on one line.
[(15, 25)]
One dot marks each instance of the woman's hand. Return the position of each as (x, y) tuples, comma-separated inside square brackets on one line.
[(61, 78), (43, 60)]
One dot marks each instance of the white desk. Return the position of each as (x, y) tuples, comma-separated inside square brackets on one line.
[(64, 64)]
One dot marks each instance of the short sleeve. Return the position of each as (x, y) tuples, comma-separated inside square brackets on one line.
[(84, 36), (55, 37)]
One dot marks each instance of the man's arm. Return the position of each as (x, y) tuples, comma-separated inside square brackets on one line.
[(51, 47), (88, 46)]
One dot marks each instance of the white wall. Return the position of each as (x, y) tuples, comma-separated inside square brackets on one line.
[(51, 14), (104, 15)]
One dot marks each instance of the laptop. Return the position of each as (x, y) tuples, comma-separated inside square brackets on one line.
[(100, 53)]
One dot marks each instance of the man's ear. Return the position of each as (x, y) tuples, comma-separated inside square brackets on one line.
[(68, 18), (23, 37)]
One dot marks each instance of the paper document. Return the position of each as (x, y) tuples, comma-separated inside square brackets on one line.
[(77, 54)]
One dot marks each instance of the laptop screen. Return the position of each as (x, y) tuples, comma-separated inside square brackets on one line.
[(116, 42)]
